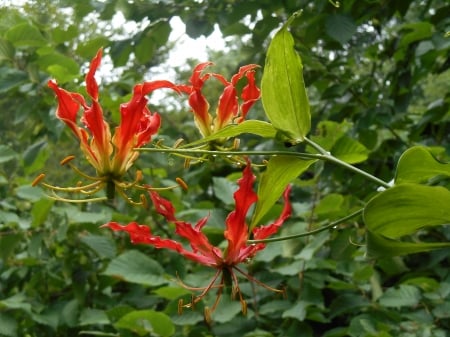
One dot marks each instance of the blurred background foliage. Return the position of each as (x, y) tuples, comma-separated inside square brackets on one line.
[(376, 71)]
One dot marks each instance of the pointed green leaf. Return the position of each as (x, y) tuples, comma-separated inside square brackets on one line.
[(281, 170), (135, 267), (255, 127), (25, 34), (146, 323), (350, 150), (283, 90), (406, 208), (417, 164), (340, 27), (381, 246), (405, 295), (104, 246)]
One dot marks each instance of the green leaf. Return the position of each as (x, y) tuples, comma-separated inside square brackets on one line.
[(380, 246), (135, 267), (6, 154), (281, 170), (340, 27), (8, 325), (11, 78), (406, 208), (259, 128), (350, 150), (6, 50), (25, 35), (87, 49), (146, 322), (223, 190), (417, 165), (171, 293), (283, 90), (405, 295), (417, 31), (40, 211), (61, 67), (93, 317), (102, 245)]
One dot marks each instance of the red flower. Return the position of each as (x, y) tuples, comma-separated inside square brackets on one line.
[(202, 251), (110, 156), (228, 110)]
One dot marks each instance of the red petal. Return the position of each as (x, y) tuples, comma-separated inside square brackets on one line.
[(91, 83), (237, 229), (250, 94), (163, 206), (228, 107), (94, 121), (68, 107), (263, 232), (141, 234)]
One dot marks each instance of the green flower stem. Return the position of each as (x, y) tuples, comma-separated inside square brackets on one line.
[(315, 231), (329, 157)]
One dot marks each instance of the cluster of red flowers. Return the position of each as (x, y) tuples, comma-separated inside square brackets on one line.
[(112, 156)]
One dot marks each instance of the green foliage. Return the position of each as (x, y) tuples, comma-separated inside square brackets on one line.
[(376, 75)]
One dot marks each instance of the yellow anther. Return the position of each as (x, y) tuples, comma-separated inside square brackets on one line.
[(180, 306), (182, 183), (244, 307), (143, 200), (207, 315), (236, 143), (38, 179), (66, 160), (178, 143), (139, 175)]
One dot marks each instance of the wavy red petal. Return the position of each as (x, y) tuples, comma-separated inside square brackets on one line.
[(237, 229)]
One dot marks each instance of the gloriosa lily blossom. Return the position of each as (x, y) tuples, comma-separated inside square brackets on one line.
[(226, 261), (111, 156), (229, 109)]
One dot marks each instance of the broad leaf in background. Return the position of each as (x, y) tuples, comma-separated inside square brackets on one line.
[(381, 246), (403, 210), (417, 164), (283, 90), (406, 208), (350, 150), (147, 323), (281, 170), (135, 267)]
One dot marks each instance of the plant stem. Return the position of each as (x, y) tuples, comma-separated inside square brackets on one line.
[(329, 157), (315, 231), (322, 155)]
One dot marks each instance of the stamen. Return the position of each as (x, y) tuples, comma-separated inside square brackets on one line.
[(73, 189), (266, 286), (182, 183), (207, 315), (187, 163), (66, 160), (180, 306), (38, 179), (139, 175), (236, 143), (244, 307), (75, 201), (144, 201), (178, 142)]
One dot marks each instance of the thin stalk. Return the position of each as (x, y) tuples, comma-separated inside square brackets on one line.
[(330, 158), (322, 155), (315, 231)]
